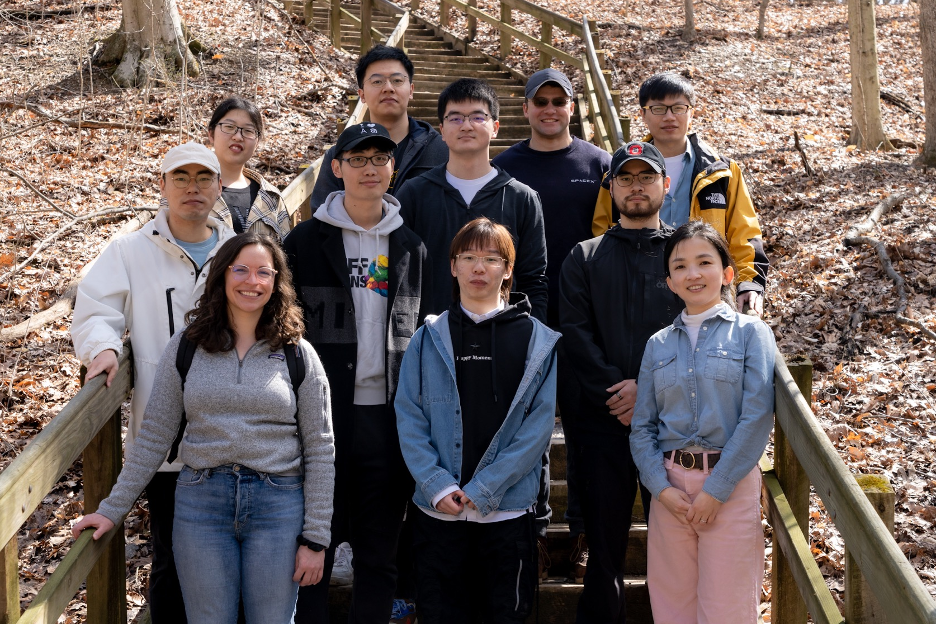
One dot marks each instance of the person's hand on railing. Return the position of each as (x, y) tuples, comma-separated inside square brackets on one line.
[(96, 521), (106, 361)]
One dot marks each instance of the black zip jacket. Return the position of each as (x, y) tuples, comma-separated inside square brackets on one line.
[(425, 149), (612, 298), (435, 211), (316, 255)]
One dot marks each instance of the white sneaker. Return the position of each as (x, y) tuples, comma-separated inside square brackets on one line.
[(342, 571)]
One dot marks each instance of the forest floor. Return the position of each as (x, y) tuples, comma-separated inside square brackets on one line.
[(874, 388)]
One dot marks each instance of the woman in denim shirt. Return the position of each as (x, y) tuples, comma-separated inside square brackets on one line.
[(703, 417)]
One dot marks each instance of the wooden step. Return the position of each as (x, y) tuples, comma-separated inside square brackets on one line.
[(484, 72), (559, 545), (555, 603)]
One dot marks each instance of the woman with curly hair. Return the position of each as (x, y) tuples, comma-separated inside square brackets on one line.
[(254, 500)]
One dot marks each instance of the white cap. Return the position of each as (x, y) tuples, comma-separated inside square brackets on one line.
[(190, 153)]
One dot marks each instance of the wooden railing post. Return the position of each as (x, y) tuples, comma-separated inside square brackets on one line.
[(9, 583), (786, 604), (308, 13), (414, 5), (861, 607), (506, 17), (593, 29), (546, 37), (334, 23), (107, 586), (444, 16), (472, 22), (625, 127), (367, 9)]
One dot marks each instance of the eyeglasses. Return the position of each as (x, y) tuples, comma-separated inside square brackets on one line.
[(241, 272), (379, 160), (228, 128), (202, 180), (469, 260), (396, 80), (627, 179), (542, 102), (660, 109), (458, 119)]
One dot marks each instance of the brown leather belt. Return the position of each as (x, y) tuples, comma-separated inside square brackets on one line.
[(691, 461)]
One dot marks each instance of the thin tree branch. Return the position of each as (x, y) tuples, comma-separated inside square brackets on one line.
[(90, 124), (299, 37), (68, 214), (51, 237), (855, 236), (64, 303), (799, 148)]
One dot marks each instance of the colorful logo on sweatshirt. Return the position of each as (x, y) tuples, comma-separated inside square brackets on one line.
[(377, 275)]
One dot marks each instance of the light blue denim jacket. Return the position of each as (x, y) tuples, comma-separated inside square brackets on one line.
[(719, 396), (429, 422)]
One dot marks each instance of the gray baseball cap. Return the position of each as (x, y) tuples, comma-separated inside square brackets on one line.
[(543, 76)]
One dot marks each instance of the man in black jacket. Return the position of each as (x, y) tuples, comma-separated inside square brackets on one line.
[(613, 298), (360, 276), (385, 84), (436, 205)]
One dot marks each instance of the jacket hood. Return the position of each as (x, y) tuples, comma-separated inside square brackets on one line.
[(420, 131), (332, 211)]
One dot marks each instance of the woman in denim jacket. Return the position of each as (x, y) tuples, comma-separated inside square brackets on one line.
[(475, 411), (702, 420)]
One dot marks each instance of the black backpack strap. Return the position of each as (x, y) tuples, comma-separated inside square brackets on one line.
[(296, 365), (183, 363)]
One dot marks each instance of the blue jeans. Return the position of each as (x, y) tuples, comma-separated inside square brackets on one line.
[(234, 537)]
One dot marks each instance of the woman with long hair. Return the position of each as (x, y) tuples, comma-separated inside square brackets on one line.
[(254, 500)]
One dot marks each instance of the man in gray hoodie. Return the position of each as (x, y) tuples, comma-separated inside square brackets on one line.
[(360, 276)]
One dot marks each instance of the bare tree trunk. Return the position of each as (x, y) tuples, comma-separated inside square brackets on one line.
[(762, 18), (867, 127), (928, 45), (688, 33), (151, 44)]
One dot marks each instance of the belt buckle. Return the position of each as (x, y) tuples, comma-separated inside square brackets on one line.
[(691, 466)]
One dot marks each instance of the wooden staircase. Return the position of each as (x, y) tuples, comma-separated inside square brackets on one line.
[(438, 64)]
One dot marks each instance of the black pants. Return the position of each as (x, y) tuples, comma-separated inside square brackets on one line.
[(609, 477), (372, 486), (569, 398), (165, 594), (469, 571)]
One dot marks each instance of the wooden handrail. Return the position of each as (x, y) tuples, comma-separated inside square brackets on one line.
[(35, 471), (545, 15), (602, 91), (565, 57), (891, 577)]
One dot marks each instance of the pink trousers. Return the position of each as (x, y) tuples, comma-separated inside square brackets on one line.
[(707, 573)]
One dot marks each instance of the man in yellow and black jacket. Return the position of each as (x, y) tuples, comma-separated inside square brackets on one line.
[(713, 191)]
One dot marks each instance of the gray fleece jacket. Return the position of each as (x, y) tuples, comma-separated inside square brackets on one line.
[(238, 412)]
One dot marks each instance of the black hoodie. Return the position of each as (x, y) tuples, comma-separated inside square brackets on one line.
[(435, 211), (490, 358), (612, 298)]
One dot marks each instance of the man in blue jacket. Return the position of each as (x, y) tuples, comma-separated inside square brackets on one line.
[(475, 410), (385, 84)]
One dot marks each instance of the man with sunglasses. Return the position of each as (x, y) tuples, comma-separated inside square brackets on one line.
[(145, 282), (385, 84), (704, 186), (567, 173), (360, 275), (613, 298), (437, 204)]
